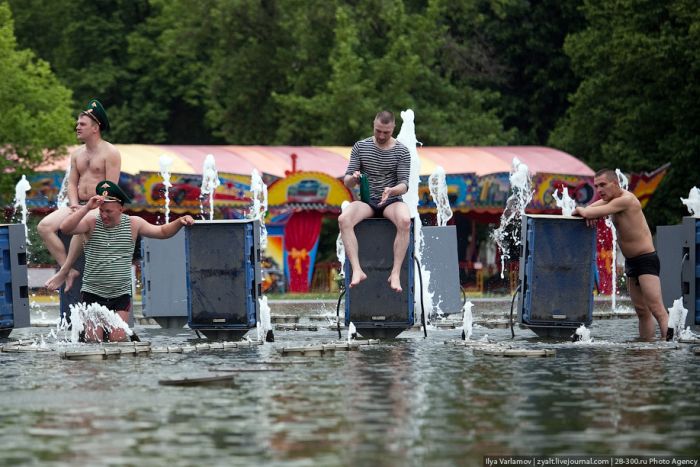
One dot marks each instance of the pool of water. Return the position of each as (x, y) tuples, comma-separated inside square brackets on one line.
[(407, 401)]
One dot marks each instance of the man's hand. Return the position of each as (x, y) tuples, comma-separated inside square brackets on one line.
[(385, 195), (580, 211), (95, 202), (186, 220)]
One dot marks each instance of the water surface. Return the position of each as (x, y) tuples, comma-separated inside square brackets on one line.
[(408, 401)]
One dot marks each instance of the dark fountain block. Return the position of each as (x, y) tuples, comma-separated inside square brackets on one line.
[(14, 288), (375, 309), (557, 274), (223, 277)]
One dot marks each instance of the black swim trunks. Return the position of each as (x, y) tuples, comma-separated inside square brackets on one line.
[(378, 211), (120, 303), (648, 263)]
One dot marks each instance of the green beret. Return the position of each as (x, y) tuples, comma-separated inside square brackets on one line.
[(95, 111), (111, 192)]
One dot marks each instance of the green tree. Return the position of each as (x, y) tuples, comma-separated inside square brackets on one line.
[(514, 48), (36, 109), (383, 56), (86, 44), (636, 107)]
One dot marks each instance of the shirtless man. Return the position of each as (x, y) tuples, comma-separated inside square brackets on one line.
[(642, 264), (95, 160), (387, 164)]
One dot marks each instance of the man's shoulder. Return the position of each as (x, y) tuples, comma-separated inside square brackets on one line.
[(78, 150), (630, 198), (402, 147), (109, 149), (365, 142)]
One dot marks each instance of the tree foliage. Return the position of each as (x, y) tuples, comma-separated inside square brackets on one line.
[(636, 106), (615, 79), (35, 108)]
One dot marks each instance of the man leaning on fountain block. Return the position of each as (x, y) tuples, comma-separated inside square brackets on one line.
[(109, 247), (642, 264), (386, 163), (91, 162)]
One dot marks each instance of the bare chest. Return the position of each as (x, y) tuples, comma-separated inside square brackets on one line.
[(92, 164)]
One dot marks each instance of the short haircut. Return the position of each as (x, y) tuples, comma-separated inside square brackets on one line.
[(607, 173), (385, 117)]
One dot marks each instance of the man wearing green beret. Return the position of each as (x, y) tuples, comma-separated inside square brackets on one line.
[(110, 240), (94, 160)]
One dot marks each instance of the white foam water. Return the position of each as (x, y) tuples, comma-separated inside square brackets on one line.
[(613, 232), (584, 335), (264, 324), (258, 208), (692, 202), (407, 136), (564, 201), (165, 163), (507, 235), (624, 184), (20, 203), (467, 320), (676, 317), (339, 246), (210, 180), (82, 315), (62, 198), (352, 331), (622, 179), (438, 191)]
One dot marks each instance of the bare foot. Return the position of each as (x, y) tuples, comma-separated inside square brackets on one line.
[(395, 283), (357, 277), (56, 281), (73, 274)]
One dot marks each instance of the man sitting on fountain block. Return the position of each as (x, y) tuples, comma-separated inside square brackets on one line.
[(386, 163), (95, 160), (642, 265), (109, 247)]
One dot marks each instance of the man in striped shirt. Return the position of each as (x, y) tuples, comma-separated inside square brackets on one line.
[(109, 246), (386, 163)]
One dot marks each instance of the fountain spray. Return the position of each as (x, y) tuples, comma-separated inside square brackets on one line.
[(62, 199), (467, 321), (438, 191), (507, 234), (692, 202), (564, 201), (407, 136), (623, 182), (257, 211), (339, 247), (210, 180), (165, 163), (20, 203)]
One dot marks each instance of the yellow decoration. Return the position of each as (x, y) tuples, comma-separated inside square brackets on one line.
[(298, 256)]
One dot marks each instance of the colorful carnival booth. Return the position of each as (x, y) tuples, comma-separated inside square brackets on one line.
[(305, 186)]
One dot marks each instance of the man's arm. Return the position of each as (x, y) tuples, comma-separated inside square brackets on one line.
[(596, 210), (76, 222), (352, 173), (146, 229), (113, 165), (73, 179)]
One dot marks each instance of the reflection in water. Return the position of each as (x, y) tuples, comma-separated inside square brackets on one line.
[(409, 401)]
